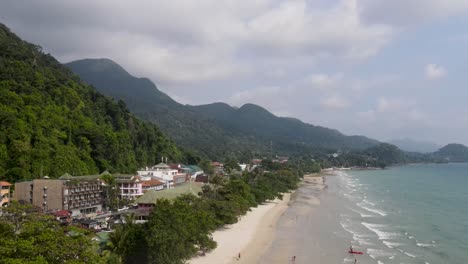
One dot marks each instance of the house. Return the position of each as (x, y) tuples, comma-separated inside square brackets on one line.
[(63, 216), (81, 195), (152, 184), (218, 167), (193, 171), (4, 193)]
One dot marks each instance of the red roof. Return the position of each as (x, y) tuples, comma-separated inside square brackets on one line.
[(152, 182), (4, 183), (216, 163), (62, 213)]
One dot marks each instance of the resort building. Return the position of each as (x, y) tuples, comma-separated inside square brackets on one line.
[(152, 184), (164, 172), (4, 193), (130, 186), (80, 195)]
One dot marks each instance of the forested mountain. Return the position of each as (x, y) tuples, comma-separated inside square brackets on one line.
[(52, 123), (215, 130), (453, 153)]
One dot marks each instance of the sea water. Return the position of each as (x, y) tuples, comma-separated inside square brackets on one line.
[(408, 214)]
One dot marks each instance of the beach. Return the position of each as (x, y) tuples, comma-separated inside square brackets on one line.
[(255, 232)]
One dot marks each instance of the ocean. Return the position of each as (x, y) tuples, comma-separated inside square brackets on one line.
[(408, 214)]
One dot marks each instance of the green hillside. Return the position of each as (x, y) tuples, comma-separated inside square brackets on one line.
[(51, 123), (215, 130), (453, 153)]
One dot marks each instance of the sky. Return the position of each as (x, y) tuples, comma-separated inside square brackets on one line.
[(384, 69)]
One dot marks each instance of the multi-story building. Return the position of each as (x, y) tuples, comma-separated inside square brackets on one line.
[(4, 193), (164, 172), (77, 194), (130, 186)]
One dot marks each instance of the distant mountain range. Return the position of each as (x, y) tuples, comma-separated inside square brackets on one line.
[(411, 145), (215, 130)]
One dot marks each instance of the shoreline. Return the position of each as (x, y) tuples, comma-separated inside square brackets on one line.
[(253, 235), (250, 236)]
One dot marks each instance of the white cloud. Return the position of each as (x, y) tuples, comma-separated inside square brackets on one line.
[(334, 103), (434, 72), (322, 81)]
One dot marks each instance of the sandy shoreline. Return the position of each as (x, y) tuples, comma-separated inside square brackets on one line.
[(250, 237), (253, 234)]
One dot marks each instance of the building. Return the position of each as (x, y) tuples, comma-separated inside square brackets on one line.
[(4, 193), (130, 186), (164, 172), (149, 199), (80, 195), (193, 171), (218, 167), (153, 184)]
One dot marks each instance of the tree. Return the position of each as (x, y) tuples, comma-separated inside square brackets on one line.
[(29, 236)]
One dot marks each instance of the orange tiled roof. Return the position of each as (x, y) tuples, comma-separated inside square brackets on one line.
[(4, 183), (152, 182)]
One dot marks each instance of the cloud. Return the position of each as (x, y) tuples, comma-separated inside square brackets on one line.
[(334, 103), (182, 42), (435, 72), (322, 81)]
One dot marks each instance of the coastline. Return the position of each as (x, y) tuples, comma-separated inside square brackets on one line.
[(250, 236), (255, 232)]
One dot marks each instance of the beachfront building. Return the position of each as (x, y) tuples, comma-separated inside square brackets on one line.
[(149, 199), (152, 184), (4, 193), (163, 172), (81, 195), (193, 171), (130, 186)]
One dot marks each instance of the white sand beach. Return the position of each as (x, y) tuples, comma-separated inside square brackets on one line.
[(250, 237)]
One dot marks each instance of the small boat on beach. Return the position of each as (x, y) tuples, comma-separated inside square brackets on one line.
[(355, 252)]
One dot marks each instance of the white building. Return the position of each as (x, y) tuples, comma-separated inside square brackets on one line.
[(163, 172)]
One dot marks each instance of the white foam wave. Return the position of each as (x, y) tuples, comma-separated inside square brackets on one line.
[(407, 253), (377, 229), (372, 210), (380, 262), (378, 253), (424, 245), (392, 244)]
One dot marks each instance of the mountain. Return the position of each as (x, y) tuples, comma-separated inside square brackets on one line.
[(411, 145), (453, 153), (52, 123), (215, 130), (387, 154)]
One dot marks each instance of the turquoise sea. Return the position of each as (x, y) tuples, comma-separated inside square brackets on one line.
[(415, 214), (408, 214)]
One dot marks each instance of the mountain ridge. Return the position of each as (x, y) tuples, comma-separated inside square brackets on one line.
[(247, 130)]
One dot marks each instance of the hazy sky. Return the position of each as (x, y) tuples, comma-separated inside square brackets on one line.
[(385, 69)]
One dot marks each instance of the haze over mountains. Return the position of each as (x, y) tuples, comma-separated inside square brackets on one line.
[(412, 145), (217, 129)]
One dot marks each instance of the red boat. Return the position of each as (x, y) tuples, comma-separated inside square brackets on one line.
[(355, 252)]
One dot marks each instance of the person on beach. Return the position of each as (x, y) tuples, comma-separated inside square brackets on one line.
[(355, 260), (351, 248)]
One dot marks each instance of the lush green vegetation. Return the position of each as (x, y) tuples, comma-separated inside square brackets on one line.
[(28, 236), (452, 153), (216, 131), (52, 123), (179, 229)]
